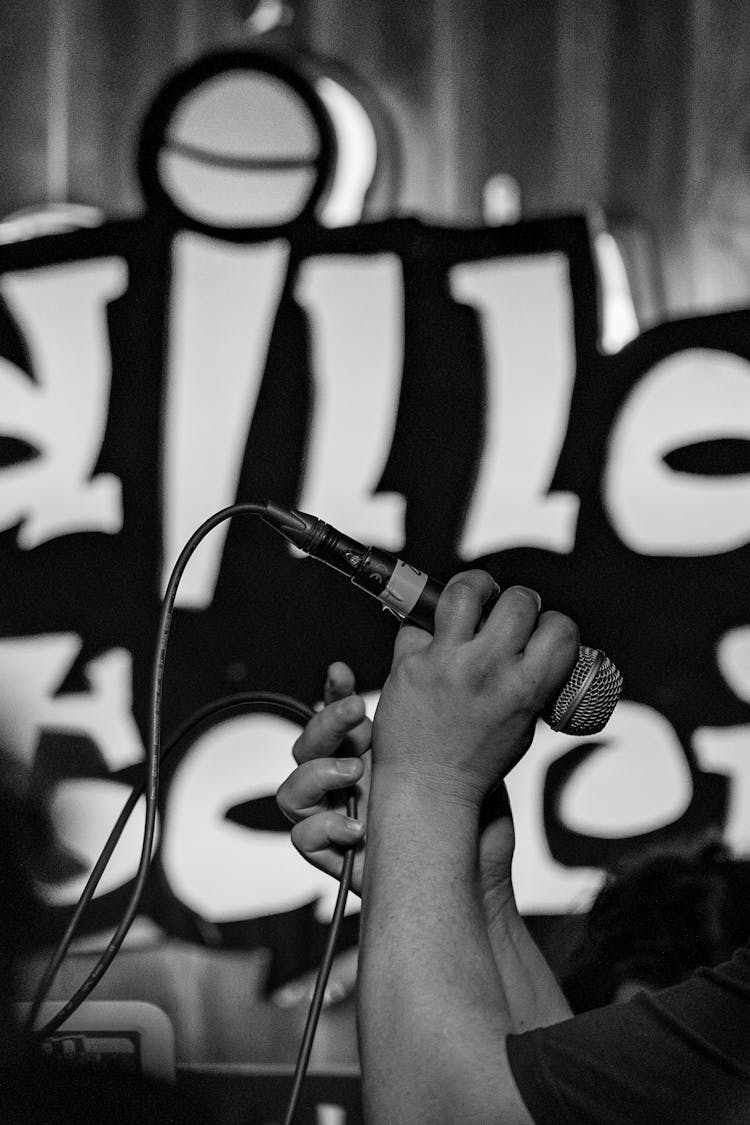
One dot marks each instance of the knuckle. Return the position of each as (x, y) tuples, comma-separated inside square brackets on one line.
[(527, 593), (525, 689), (297, 748), (459, 591), (468, 583), (566, 633), (283, 802), (345, 713), (298, 836), (280, 796)]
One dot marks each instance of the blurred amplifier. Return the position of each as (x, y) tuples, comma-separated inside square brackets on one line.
[(129, 1036)]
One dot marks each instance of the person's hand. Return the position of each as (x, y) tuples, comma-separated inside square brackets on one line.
[(459, 707), (312, 796), (497, 841), (333, 754)]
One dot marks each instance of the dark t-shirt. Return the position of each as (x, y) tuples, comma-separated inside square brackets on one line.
[(679, 1055)]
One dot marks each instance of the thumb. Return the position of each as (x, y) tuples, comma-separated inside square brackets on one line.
[(496, 836)]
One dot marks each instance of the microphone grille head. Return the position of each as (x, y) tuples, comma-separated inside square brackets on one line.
[(586, 702)]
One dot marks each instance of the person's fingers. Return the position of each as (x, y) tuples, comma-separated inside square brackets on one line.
[(512, 621), (459, 610), (305, 792), (320, 838), (339, 682), (342, 722), (551, 653), (457, 613), (410, 638)]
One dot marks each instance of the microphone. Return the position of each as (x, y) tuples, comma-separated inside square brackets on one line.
[(583, 706)]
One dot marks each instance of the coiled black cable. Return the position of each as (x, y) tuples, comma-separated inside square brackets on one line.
[(234, 704), (150, 785)]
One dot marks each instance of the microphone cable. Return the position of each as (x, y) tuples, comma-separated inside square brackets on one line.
[(240, 703), (316, 1003), (150, 785)]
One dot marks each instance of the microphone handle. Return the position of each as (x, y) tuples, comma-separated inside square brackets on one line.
[(409, 593), (401, 588), (398, 586), (412, 595), (587, 699)]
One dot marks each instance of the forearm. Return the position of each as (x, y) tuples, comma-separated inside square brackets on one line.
[(434, 1011), (532, 991)]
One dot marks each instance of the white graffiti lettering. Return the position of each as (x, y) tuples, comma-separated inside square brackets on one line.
[(689, 397), (527, 326), (356, 313), (222, 311), (63, 413), (225, 871), (31, 671), (636, 781)]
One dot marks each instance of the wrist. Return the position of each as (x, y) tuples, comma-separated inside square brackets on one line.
[(499, 900), (411, 818), (440, 787)]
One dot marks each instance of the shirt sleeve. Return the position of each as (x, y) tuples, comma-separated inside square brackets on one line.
[(679, 1055)]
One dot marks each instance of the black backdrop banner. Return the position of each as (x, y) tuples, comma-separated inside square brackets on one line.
[(94, 327)]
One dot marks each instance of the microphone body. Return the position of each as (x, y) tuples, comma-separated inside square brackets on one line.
[(585, 703)]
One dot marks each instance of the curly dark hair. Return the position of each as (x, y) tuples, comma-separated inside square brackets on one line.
[(659, 917)]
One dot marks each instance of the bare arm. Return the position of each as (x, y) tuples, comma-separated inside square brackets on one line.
[(433, 1012), (534, 994), (438, 994)]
